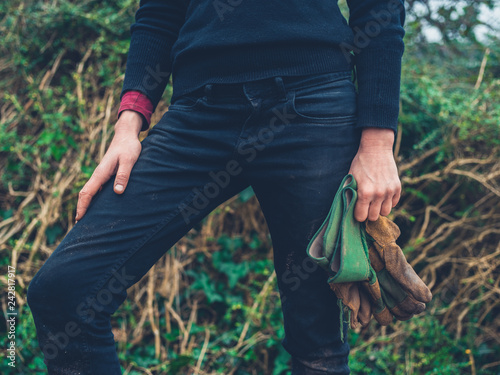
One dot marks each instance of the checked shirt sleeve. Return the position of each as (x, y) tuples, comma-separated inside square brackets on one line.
[(138, 102)]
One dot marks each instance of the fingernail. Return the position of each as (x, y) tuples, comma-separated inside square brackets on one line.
[(119, 187), (76, 221)]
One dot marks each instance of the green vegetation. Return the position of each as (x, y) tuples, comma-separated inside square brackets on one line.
[(211, 305)]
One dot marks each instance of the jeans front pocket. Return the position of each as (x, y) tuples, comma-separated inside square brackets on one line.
[(187, 102), (332, 102)]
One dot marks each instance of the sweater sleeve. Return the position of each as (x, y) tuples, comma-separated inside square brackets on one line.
[(378, 48), (156, 27)]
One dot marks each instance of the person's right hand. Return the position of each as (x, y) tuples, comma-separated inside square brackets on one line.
[(119, 159)]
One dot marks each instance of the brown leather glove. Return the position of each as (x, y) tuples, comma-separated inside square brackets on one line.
[(356, 301), (362, 299), (393, 289), (402, 291)]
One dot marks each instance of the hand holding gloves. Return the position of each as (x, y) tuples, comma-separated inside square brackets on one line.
[(368, 270)]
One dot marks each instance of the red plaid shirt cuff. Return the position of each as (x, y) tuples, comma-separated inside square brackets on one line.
[(137, 101)]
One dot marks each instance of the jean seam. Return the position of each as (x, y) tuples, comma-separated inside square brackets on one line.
[(237, 138), (338, 76), (120, 263), (317, 84)]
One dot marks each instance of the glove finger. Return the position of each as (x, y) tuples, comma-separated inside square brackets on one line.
[(365, 308), (402, 305), (372, 290), (406, 309), (404, 274), (385, 232), (348, 293), (384, 317), (391, 293), (378, 307)]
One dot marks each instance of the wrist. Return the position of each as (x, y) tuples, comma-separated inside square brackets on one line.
[(377, 138), (138, 102), (129, 122)]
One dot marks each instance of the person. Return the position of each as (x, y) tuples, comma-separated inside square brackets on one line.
[(264, 95)]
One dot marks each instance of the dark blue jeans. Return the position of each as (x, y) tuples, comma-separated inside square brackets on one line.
[(291, 138)]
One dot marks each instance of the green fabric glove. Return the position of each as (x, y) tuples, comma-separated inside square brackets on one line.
[(339, 245)]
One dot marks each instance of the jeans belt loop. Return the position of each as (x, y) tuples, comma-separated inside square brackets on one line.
[(281, 86)]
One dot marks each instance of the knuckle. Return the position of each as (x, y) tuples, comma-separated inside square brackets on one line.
[(129, 157), (360, 214), (397, 186), (385, 211), (126, 160), (83, 193), (390, 192), (122, 176), (360, 218), (364, 195)]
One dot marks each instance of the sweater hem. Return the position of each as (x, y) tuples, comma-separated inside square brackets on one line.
[(189, 74)]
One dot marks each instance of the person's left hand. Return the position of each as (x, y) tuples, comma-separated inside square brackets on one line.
[(376, 174)]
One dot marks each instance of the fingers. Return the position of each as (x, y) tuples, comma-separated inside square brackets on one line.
[(365, 309), (369, 204), (101, 174), (386, 206), (376, 174), (374, 201), (362, 206), (397, 195), (122, 176), (378, 199)]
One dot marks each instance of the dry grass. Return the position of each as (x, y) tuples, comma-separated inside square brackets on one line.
[(458, 255)]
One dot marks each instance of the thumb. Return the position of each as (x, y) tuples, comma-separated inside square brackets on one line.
[(122, 176)]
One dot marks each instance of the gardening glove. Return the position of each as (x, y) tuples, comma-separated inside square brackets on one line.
[(373, 292), (400, 289), (356, 301), (339, 246)]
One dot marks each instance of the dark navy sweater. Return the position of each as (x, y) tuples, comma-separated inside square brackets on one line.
[(228, 41)]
